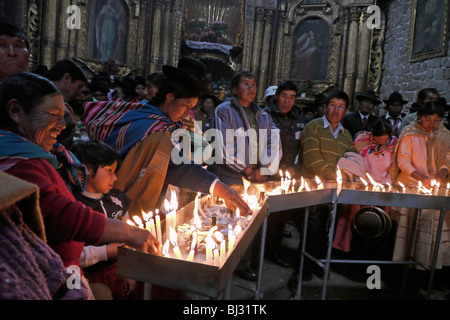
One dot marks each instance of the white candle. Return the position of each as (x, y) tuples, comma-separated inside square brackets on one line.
[(158, 228), (231, 242), (177, 252), (209, 250), (165, 250), (222, 252), (216, 258), (191, 255)]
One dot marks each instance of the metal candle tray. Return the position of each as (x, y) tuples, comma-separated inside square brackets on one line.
[(355, 193), (188, 276)]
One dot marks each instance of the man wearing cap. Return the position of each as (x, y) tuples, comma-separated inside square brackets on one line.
[(394, 107), (363, 119), (288, 119), (269, 95)]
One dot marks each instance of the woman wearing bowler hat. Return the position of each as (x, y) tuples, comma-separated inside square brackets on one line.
[(143, 138)]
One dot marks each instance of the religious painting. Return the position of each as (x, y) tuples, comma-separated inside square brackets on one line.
[(108, 30), (310, 50), (428, 29)]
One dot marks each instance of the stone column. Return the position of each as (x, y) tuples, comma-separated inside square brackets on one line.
[(364, 44), (48, 34), (265, 54), (352, 46), (257, 36), (63, 33), (156, 36), (167, 32)]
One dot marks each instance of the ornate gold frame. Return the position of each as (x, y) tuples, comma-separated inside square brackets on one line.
[(443, 40)]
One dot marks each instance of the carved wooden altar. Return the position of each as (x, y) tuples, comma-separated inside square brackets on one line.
[(263, 36)]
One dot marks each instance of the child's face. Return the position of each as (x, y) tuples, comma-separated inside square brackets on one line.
[(104, 179)]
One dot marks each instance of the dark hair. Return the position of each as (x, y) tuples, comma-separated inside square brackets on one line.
[(28, 88), (338, 94), (423, 94), (382, 127), (66, 66), (287, 85), (212, 97), (431, 108), (140, 80), (179, 87), (156, 78), (239, 75), (95, 154), (11, 30)]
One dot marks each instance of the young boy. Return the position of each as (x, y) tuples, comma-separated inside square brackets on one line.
[(99, 262)]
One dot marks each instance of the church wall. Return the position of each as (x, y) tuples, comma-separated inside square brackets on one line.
[(398, 73)]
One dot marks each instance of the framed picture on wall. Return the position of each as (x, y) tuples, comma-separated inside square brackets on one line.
[(428, 29)]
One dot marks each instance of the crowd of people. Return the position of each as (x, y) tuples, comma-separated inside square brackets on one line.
[(100, 152)]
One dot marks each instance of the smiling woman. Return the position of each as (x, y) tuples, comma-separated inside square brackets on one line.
[(31, 117)]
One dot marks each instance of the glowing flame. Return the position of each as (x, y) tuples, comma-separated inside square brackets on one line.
[(338, 175), (246, 184), (219, 236), (401, 184), (194, 240), (306, 186), (197, 221), (173, 237), (364, 181), (137, 220), (131, 223), (288, 176), (173, 204), (165, 249), (319, 183)]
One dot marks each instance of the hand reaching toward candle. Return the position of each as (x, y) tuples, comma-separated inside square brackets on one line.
[(231, 198), (141, 239)]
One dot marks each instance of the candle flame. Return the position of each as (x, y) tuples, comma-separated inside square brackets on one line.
[(197, 221), (338, 175), (288, 176), (131, 223), (364, 181), (281, 173), (219, 236), (401, 184), (165, 249), (173, 204), (306, 186), (448, 185), (246, 184), (237, 229), (194, 240), (137, 220), (173, 237)]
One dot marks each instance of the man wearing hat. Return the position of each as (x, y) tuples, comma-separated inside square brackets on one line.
[(363, 119), (99, 89), (269, 95), (394, 107)]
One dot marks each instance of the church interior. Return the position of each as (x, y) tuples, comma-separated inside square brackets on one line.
[(353, 45)]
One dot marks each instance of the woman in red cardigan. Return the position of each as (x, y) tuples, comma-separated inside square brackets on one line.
[(31, 118)]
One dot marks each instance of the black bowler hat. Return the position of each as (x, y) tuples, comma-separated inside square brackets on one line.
[(395, 97), (319, 99), (128, 84), (372, 222), (190, 70), (99, 85), (368, 95)]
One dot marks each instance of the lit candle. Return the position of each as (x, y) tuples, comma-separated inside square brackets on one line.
[(193, 245), (293, 185), (173, 240), (216, 258), (223, 253), (138, 221), (165, 249), (210, 245), (402, 185), (319, 183), (302, 185), (306, 186), (365, 183), (158, 226)]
